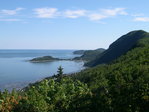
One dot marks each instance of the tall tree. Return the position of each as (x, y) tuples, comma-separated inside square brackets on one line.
[(60, 73)]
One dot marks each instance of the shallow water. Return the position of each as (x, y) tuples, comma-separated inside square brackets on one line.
[(16, 72)]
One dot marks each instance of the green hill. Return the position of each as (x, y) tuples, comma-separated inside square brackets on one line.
[(81, 52), (89, 55), (121, 86), (119, 47)]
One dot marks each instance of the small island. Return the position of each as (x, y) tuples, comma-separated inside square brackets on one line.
[(44, 59), (87, 55)]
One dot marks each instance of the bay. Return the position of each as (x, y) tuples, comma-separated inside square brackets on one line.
[(17, 72)]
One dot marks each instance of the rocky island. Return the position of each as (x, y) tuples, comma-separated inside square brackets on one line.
[(87, 55), (44, 59)]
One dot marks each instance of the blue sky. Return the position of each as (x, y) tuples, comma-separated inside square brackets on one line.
[(69, 24)]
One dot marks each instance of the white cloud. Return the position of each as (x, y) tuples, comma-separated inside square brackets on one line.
[(10, 20), (106, 13), (96, 17), (114, 12), (92, 15), (11, 12), (46, 12), (74, 13), (142, 19)]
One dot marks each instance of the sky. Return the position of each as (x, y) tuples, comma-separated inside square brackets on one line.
[(69, 24)]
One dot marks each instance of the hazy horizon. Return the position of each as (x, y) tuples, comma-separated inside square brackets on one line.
[(48, 49)]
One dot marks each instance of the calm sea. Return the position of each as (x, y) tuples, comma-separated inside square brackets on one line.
[(17, 72)]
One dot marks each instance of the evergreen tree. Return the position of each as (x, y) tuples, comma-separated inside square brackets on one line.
[(60, 73)]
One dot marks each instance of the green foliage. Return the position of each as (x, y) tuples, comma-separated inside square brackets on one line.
[(60, 72), (120, 47), (122, 86), (80, 52), (89, 55), (8, 101), (49, 96)]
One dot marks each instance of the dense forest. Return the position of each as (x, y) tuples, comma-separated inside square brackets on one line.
[(119, 47), (119, 86), (89, 55)]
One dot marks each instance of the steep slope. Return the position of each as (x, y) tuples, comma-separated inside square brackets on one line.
[(119, 47), (123, 85)]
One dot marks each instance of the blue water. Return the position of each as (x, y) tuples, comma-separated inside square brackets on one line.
[(17, 72)]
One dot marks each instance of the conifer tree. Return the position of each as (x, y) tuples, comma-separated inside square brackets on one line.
[(60, 73)]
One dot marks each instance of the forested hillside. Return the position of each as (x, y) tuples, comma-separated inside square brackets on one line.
[(119, 47), (121, 86), (90, 55)]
